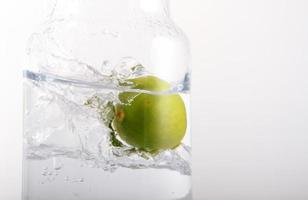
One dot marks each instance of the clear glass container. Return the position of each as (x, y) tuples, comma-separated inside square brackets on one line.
[(106, 104)]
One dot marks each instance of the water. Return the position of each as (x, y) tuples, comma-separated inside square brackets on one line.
[(69, 147)]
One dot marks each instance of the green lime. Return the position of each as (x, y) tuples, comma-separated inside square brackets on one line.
[(151, 122)]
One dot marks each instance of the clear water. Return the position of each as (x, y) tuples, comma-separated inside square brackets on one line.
[(68, 151)]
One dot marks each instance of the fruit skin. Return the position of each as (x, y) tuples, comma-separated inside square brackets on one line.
[(150, 122)]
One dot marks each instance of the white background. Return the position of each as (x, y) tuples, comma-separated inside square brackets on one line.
[(250, 96)]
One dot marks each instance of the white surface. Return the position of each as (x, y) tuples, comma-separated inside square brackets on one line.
[(250, 94)]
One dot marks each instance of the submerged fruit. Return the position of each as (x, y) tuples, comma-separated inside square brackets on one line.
[(148, 121)]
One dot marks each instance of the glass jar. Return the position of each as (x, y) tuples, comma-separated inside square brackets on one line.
[(106, 104)]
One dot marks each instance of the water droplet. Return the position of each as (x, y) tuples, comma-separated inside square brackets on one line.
[(58, 168), (57, 164), (106, 63)]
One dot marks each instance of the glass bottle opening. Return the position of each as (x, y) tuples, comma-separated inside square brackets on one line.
[(110, 8)]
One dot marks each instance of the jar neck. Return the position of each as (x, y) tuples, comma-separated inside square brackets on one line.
[(109, 8)]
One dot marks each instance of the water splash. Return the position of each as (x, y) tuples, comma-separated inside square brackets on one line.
[(71, 118)]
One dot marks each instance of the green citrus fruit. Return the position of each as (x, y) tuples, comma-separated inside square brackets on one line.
[(150, 122)]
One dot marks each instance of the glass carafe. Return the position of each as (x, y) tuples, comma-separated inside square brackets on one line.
[(106, 104)]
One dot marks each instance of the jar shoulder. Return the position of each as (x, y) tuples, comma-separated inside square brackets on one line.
[(155, 42)]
